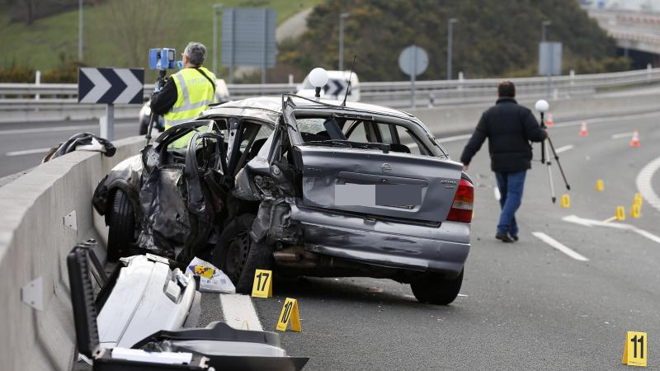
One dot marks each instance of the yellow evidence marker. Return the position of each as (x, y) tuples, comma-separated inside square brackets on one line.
[(635, 350), (204, 271), (638, 199), (600, 185), (565, 201), (289, 314), (620, 213), (635, 211), (263, 284)]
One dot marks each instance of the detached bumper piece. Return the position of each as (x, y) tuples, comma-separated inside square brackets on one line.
[(217, 346)]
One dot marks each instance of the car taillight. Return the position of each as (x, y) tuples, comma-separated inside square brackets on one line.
[(461, 208)]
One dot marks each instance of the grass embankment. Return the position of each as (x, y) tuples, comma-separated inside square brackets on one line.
[(50, 42)]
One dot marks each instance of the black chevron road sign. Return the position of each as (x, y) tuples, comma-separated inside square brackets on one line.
[(110, 85), (335, 87)]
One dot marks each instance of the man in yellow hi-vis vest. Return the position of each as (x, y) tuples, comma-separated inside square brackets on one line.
[(187, 93)]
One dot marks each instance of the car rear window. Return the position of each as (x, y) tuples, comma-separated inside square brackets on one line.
[(342, 131)]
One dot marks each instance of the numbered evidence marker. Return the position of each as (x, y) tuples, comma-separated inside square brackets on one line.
[(636, 211), (565, 201), (638, 199), (289, 314), (620, 213), (635, 349), (600, 185), (263, 284)]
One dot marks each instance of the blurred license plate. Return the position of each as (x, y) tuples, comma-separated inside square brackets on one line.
[(394, 195)]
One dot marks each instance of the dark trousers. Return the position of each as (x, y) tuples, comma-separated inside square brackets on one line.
[(511, 187)]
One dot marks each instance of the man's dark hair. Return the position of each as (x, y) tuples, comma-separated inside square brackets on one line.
[(506, 89)]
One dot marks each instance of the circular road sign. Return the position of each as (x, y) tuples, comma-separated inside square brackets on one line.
[(413, 60)]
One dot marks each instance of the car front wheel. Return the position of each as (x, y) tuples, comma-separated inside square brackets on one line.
[(238, 256), (434, 289)]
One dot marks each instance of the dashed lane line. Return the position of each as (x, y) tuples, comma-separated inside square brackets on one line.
[(27, 152), (239, 312), (622, 135), (559, 246), (564, 148), (645, 186)]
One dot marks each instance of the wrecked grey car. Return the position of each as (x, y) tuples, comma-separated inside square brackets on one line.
[(312, 188)]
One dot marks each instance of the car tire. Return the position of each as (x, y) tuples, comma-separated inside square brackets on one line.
[(433, 289), (238, 256), (121, 226), (144, 125)]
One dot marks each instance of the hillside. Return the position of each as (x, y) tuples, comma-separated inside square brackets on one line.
[(493, 38), (119, 32)]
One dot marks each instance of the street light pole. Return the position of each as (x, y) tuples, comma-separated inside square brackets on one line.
[(450, 41), (80, 30), (215, 38), (548, 67), (342, 16)]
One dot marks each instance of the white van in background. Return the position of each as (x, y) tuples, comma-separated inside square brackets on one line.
[(335, 88)]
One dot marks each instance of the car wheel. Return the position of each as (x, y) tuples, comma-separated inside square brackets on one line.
[(238, 256), (433, 289), (121, 226)]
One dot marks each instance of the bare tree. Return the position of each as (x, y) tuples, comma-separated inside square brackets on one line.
[(138, 25)]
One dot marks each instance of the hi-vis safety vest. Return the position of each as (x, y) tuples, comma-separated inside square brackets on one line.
[(194, 94)]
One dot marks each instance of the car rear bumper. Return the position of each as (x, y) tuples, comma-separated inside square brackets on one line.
[(442, 249)]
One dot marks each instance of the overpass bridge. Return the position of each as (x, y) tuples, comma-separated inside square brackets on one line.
[(632, 30)]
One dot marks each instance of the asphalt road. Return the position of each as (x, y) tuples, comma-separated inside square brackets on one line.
[(23, 145), (523, 306)]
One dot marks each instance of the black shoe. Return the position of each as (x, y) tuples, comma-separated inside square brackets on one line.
[(504, 237), (515, 238)]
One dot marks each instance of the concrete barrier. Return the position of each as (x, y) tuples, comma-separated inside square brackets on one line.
[(34, 242)]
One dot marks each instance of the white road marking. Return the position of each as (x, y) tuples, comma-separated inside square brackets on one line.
[(607, 119), (597, 223), (564, 148), (28, 152), (238, 310), (557, 245), (455, 138), (644, 183), (62, 128), (622, 135), (497, 193)]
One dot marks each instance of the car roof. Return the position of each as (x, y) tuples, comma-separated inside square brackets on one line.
[(271, 107)]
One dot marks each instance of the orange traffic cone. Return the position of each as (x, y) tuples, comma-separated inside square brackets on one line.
[(635, 139), (550, 122), (583, 131)]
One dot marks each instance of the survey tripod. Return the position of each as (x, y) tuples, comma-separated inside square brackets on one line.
[(545, 159)]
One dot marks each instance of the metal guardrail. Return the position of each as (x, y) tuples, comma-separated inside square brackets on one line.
[(441, 92)]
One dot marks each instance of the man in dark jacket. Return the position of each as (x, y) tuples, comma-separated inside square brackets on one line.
[(509, 128)]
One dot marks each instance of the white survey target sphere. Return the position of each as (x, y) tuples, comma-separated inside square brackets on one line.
[(318, 77), (542, 106)]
